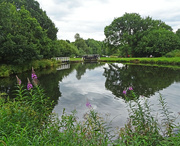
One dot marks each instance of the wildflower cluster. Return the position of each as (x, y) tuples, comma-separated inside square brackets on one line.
[(125, 91), (29, 84)]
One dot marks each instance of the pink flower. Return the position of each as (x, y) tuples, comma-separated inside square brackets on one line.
[(18, 80), (29, 85), (34, 77), (88, 104), (130, 88), (124, 92)]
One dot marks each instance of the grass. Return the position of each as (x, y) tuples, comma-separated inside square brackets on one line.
[(28, 120), (7, 70), (158, 60)]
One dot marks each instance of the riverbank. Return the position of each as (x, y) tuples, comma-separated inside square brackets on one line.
[(7, 70), (158, 60)]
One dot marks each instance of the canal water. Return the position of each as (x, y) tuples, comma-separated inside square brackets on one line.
[(102, 84)]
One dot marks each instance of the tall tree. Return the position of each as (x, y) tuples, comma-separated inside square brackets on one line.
[(22, 38), (81, 45), (34, 8), (125, 32)]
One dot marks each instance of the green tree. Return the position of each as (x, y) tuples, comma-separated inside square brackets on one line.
[(34, 8), (127, 31), (22, 38), (81, 45), (158, 43), (66, 49), (178, 33), (95, 45)]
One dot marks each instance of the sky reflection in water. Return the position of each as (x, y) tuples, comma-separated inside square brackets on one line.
[(91, 87)]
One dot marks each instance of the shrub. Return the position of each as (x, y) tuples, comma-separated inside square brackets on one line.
[(174, 53)]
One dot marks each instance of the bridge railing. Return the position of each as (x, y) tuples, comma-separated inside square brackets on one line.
[(62, 59), (63, 66)]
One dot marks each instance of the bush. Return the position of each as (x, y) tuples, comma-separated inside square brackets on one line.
[(174, 53)]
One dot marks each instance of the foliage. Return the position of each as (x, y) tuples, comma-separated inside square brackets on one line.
[(96, 46), (174, 53), (66, 49), (27, 120), (158, 43), (36, 12), (89, 46), (143, 128), (137, 36), (81, 45), (7, 70), (22, 39)]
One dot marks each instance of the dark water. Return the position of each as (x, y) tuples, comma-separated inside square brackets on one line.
[(102, 85)]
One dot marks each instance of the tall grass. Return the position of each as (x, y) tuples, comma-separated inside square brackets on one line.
[(28, 120)]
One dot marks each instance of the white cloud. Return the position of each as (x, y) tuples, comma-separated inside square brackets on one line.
[(89, 17)]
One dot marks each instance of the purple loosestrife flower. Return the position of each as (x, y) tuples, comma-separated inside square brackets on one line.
[(130, 88), (124, 92), (34, 77), (29, 85), (88, 104), (18, 80)]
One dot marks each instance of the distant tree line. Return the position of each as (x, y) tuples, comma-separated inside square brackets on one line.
[(27, 33)]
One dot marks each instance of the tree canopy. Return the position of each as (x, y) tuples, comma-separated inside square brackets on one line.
[(34, 8), (21, 35), (137, 36)]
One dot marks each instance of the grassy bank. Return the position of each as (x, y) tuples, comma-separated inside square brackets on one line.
[(28, 120), (158, 60), (7, 70)]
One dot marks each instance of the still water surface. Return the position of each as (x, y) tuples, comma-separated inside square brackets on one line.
[(102, 84)]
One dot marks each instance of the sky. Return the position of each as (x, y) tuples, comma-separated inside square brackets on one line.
[(90, 17)]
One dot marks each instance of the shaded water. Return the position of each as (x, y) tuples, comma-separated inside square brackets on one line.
[(102, 85)]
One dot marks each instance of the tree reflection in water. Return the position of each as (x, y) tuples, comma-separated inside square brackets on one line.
[(145, 80)]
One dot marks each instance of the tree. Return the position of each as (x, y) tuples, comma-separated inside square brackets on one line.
[(34, 8), (22, 38), (96, 46), (158, 43), (66, 49), (81, 45), (77, 36), (129, 29), (178, 33)]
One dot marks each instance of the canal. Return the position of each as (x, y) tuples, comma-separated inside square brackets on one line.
[(102, 84)]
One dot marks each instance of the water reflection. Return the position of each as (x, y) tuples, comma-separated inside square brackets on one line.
[(103, 84), (145, 80)]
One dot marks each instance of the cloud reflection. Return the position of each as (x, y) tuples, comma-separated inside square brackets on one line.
[(91, 86)]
